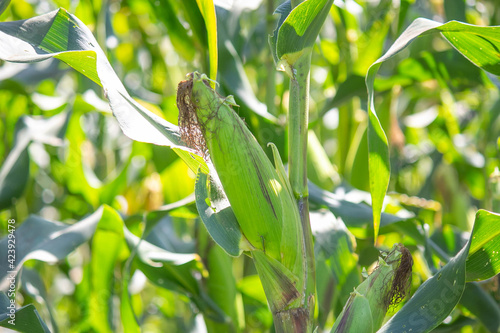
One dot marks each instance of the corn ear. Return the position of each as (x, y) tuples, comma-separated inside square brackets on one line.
[(385, 286), (278, 282), (261, 199), (356, 316)]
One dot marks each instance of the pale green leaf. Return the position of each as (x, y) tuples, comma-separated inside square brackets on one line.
[(106, 245), (478, 44), (207, 9)]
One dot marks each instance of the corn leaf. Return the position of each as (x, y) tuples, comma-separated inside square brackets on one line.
[(172, 271), (14, 172), (300, 29), (178, 34), (221, 287), (63, 36), (129, 320), (232, 75), (353, 214), (47, 241), (33, 285), (27, 318), (335, 244), (217, 215), (483, 261), (3, 5), (481, 304), (478, 44), (283, 11), (207, 9), (107, 242)]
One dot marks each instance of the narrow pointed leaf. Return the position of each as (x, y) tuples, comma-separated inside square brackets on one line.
[(207, 9), (107, 242), (478, 44)]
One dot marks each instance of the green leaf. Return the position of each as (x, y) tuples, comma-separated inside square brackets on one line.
[(251, 286), (221, 287), (173, 271), (62, 35), (107, 242), (438, 296), (47, 241), (27, 319), (483, 261), (207, 9), (354, 85), (232, 75), (127, 314), (336, 262), (478, 44), (177, 33), (352, 213), (378, 167), (33, 285), (3, 5), (482, 305), (300, 29), (153, 218), (14, 172), (335, 244), (217, 216), (283, 11)]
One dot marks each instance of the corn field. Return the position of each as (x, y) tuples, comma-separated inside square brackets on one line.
[(250, 166)]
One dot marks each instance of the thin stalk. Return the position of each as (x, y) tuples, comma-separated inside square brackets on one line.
[(271, 77), (297, 163)]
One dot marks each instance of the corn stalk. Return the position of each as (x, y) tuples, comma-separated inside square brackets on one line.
[(292, 43)]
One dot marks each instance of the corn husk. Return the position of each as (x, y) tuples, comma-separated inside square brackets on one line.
[(260, 195), (387, 285)]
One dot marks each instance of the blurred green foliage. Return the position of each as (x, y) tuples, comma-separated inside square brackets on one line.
[(64, 158)]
